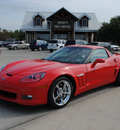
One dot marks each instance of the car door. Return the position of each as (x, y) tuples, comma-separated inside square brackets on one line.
[(101, 73), (44, 45), (20, 46)]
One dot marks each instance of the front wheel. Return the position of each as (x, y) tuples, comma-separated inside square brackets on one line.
[(60, 92), (117, 82), (15, 48)]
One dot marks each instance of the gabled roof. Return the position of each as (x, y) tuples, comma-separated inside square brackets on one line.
[(85, 15), (38, 14), (74, 18), (28, 22)]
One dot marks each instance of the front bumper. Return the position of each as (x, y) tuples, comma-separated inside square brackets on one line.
[(23, 93), (9, 47)]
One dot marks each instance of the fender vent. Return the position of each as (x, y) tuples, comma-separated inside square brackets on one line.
[(9, 74), (115, 71)]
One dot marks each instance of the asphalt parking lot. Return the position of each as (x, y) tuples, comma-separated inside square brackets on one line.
[(98, 109)]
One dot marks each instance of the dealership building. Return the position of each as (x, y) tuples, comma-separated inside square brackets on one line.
[(61, 24)]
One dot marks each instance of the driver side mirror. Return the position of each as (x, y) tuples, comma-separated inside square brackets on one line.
[(97, 61)]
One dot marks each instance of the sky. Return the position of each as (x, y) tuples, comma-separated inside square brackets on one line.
[(12, 12)]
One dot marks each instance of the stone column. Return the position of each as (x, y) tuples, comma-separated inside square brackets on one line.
[(26, 37), (35, 36), (86, 37), (92, 37)]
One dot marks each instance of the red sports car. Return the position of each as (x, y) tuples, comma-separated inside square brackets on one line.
[(56, 78)]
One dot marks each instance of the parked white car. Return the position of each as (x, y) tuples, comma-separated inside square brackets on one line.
[(55, 44), (115, 47)]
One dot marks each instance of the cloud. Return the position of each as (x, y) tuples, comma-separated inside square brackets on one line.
[(15, 9)]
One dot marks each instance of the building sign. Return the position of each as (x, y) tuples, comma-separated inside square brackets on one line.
[(62, 25)]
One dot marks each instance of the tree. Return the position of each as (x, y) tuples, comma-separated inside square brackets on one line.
[(17, 34), (110, 32)]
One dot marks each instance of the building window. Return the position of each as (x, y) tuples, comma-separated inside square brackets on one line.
[(84, 22), (43, 36), (38, 22)]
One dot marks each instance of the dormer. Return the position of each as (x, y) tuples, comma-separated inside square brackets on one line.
[(84, 20), (38, 19)]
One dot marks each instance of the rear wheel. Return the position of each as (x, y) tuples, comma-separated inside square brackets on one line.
[(32, 49), (39, 49), (51, 50), (60, 92)]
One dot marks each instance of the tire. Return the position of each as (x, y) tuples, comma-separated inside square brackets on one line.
[(32, 49), (60, 92), (117, 82), (51, 50), (39, 49), (15, 48)]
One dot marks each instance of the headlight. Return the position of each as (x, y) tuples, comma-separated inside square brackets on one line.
[(2, 68), (33, 77)]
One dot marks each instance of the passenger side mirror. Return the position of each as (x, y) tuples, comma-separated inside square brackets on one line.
[(97, 61)]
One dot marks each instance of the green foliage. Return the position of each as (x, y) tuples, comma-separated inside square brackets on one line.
[(110, 32), (17, 34)]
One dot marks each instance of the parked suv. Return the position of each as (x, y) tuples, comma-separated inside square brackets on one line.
[(55, 44), (38, 44), (76, 42)]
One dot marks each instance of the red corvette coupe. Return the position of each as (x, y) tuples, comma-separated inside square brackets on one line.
[(56, 78)]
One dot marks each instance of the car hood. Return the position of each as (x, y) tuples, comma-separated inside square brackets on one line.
[(12, 45), (32, 66)]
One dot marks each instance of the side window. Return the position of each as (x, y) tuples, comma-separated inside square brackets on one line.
[(62, 42), (59, 41), (44, 42), (99, 53), (20, 42)]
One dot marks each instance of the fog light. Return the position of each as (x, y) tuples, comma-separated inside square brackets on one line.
[(27, 97)]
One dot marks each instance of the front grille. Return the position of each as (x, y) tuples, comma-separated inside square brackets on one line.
[(8, 94)]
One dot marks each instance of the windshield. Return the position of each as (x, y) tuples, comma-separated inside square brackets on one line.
[(81, 42), (73, 55), (53, 41)]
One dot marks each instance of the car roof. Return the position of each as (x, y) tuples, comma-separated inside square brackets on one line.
[(87, 46)]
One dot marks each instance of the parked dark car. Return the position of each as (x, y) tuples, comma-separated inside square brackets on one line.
[(103, 44), (1, 43), (38, 44), (76, 42), (9, 41)]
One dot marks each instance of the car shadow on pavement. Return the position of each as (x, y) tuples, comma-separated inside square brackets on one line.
[(17, 109), (91, 93)]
